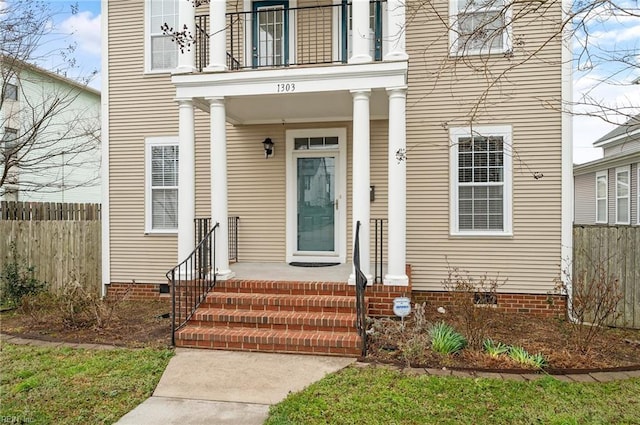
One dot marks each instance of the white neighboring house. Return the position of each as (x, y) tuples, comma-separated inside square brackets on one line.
[(50, 133)]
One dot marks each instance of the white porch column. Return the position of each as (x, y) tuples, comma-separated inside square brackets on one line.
[(186, 179), (397, 207), (217, 36), (219, 214), (360, 37), (395, 44), (186, 17), (361, 178)]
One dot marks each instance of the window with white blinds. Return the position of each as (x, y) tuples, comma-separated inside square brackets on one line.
[(479, 26), (481, 180), (162, 51), (162, 185)]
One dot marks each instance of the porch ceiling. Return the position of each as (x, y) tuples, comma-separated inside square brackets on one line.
[(300, 107)]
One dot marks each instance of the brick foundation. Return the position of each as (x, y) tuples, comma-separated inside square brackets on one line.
[(534, 304), (137, 291)]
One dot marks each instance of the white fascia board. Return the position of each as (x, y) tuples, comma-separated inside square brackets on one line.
[(300, 80), (622, 138), (606, 163)]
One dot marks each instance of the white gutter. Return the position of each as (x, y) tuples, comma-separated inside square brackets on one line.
[(106, 254)]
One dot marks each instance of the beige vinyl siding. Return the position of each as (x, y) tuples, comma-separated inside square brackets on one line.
[(314, 32), (442, 94), (630, 146), (140, 106), (585, 198)]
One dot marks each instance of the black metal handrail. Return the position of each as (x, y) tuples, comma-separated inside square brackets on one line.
[(361, 285), (191, 280), (313, 27), (233, 238), (202, 45), (378, 226)]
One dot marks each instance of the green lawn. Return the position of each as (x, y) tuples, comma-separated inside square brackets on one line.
[(381, 396), (74, 386)]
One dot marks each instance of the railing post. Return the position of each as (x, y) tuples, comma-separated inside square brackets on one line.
[(173, 307)]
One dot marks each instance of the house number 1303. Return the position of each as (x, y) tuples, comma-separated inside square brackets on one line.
[(286, 87)]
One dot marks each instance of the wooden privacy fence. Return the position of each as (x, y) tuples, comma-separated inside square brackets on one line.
[(10, 210), (60, 250), (617, 249)]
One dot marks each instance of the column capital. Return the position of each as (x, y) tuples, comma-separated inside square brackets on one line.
[(181, 101), (360, 93), (395, 91), (218, 100)]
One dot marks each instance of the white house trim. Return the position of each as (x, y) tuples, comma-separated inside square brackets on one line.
[(186, 179), (106, 231), (305, 80), (149, 142)]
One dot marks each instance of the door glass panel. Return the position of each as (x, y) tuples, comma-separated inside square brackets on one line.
[(316, 204), (271, 35)]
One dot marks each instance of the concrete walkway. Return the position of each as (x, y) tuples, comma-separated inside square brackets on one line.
[(228, 387)]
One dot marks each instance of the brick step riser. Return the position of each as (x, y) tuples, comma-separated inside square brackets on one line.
[(270, 348), (272, 326), (269, 307), (292, 301), (285, 291)]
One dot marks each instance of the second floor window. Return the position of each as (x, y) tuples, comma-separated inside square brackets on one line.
[(601, 197), (479, 26), (10, 92), (623, 207), (162, 51)]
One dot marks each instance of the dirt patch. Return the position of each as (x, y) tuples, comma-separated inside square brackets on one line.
[(552, 337), (133, 324)]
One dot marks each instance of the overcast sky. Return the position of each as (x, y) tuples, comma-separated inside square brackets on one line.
[(608, 35)]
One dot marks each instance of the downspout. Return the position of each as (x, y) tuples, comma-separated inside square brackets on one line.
[(566, 251)]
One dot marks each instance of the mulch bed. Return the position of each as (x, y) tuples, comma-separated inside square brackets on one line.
[(146, 324)]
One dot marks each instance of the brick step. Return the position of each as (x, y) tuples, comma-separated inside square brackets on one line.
[(280, 302), (268, 340), (285, 287), (260, 319)]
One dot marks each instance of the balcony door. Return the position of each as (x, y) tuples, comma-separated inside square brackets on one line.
[(316, 195), (270, 46)]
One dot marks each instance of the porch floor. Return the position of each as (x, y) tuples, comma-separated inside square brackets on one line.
[(285, 272)]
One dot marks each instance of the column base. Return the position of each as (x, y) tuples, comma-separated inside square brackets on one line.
[(396, 56), (215, 68), (352, 279), (184, 69), (225, 275), (360, 59), (396, 280)]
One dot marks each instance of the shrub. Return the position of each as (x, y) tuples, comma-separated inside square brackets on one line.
[(445, 339), (466, 294), (413, 349), (595, 295), (17, 279)]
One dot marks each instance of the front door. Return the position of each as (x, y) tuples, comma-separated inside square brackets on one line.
[(316, 204), (270, 33), (316, 219)]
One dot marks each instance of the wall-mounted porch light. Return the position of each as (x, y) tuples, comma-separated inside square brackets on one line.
[(269, 149)]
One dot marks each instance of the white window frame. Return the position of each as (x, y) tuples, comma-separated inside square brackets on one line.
[(148, 64), (454, 32), (621, 170), (15, 90), (507, 202), (151, 142), (599, 175)]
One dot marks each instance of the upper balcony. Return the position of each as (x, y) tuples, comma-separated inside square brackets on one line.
[(290, 33)]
